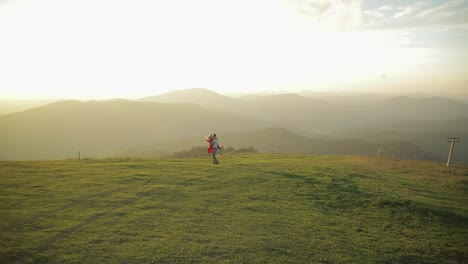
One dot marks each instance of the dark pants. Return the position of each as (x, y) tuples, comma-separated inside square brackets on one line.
[(215, 160)]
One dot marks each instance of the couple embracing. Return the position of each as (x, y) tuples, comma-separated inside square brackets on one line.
[(213, 146)]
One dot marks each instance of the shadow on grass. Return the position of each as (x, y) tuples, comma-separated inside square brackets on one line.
[(291, 176), (423, 211)]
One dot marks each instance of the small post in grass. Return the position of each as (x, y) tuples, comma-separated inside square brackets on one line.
[(452, 140), (378, 151), (79, 155)]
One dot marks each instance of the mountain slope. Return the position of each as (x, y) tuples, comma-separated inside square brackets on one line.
[(265, 140), (316, 116), (291, 111), (101, 128), (428, 135), (406, 108), (199, 96), (256, 208), (12, 106), (283, 141)]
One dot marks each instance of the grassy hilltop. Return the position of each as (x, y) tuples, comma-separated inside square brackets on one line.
[(253, 208)]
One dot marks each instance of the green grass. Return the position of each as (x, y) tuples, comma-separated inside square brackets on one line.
[(252, 208)]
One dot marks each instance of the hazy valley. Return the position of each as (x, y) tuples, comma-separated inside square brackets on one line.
[(310, 123)]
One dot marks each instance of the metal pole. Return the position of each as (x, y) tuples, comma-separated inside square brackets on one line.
[(378, 152), (450, 153), (452, 140)]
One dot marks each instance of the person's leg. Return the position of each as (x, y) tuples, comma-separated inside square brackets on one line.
[(215, 160)]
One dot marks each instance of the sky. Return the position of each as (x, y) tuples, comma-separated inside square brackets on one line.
[(100, 49)]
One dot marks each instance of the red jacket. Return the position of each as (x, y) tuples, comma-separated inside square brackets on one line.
[(210, 147)]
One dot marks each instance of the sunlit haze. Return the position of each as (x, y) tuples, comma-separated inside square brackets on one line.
[(131, 49)]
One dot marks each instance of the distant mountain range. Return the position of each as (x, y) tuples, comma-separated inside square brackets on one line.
[(100, 128), (13, 106), (282, 141), (313, 117), (330, 115), (289, 123)]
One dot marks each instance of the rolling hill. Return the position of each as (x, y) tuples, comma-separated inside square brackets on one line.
[(13, 106), (363, 119), (315, 126), (429, 135), (199, 96), (291, 111), (404, 108), (255, 208), (101, 128), (282, 141), (264, 140), (317, 116)]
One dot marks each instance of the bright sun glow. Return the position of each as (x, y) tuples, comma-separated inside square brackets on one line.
[(105, 49)]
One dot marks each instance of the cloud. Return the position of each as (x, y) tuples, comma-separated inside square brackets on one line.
[(386, 8), (405, 11), (418, 14), (453, 12), (374, 14), (333, 14), (2, 2)]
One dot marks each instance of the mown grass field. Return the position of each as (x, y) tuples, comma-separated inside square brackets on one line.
[(252, 208)]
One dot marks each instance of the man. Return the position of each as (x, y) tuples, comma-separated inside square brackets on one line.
[(215, 146)]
